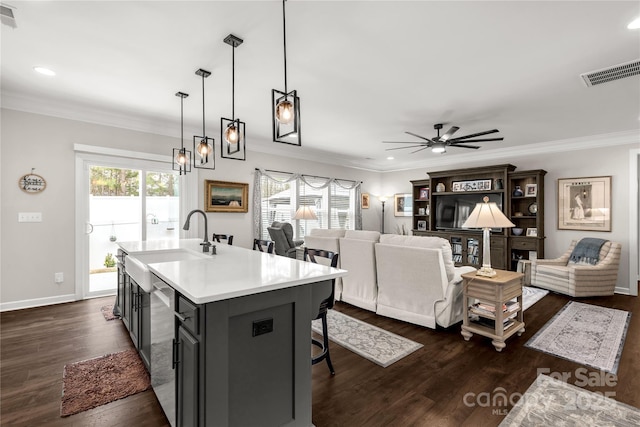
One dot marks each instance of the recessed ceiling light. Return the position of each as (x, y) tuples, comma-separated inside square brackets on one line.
[(634, 25), (390, 158), (45, 71)]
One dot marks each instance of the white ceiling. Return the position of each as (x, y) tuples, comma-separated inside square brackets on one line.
[(366, 71)]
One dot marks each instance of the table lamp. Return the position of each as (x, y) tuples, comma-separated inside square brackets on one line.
[(487, 215)]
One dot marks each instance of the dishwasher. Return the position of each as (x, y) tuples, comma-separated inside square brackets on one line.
[(162, 334)]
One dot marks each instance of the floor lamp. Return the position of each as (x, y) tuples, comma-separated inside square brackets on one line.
[(487, 215), (382, 199)]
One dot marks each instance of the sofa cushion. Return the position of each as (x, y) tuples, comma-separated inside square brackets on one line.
[(327, 232), (428, 242), (373, 236)]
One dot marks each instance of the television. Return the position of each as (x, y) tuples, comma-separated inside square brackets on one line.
[(452, 210)]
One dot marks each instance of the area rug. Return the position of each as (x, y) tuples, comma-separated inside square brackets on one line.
[(531, 295), (98, 381), (107, 312), (584, 333), (551, 402), (372, 343)]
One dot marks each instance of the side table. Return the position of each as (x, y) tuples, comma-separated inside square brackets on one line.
[(495, 291)]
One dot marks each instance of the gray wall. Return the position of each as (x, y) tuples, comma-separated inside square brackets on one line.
[(30, 253)]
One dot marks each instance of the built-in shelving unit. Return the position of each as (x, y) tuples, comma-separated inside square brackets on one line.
[(442, 202)]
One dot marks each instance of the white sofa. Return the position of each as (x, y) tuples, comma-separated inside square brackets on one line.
[(357, 256), (417, 280), (327, 239)]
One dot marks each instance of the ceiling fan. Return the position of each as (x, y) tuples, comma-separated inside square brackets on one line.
[(439, 144)]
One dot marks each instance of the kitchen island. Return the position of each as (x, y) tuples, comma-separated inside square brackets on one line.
[(229, 334)]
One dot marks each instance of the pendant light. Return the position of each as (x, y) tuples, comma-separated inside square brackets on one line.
[(232, 131), (182, 157), (285, 105), (203, 149)]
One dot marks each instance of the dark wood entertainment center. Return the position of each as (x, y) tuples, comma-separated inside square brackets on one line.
[(444, 200)]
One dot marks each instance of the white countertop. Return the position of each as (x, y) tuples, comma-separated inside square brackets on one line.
[(232, 272)]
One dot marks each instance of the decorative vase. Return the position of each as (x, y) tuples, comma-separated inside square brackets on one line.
[(499, 185), (518, 192), (440, 187)]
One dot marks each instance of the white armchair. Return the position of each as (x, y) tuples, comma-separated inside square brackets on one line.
[(417, 280), (579, 279)]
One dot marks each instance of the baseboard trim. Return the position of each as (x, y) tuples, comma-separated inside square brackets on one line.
[(622, 291), (37, 302)]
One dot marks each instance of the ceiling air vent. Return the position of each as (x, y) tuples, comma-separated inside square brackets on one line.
[(6, 16), (616, 72)]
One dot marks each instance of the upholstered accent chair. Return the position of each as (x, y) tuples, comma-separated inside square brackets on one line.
[(579, 279), (282, 235)]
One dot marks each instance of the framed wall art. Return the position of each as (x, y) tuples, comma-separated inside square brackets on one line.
[(584, 203), (222, 196), (364, 202), (403, 204)]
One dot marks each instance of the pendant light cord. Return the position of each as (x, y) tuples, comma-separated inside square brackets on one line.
[(233, 83), (181, 123), (284, 33), (203, 132)]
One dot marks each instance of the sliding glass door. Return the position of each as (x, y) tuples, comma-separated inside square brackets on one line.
[(124, 200)]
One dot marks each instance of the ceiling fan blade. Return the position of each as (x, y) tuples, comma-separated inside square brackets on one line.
[(420, 149), (477, 140), (402, 142), (448, 134), (487, 132), (408, 146), (474, 147), (418, 136)]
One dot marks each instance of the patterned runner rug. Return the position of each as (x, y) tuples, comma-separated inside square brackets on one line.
[(551, 402), (584, 333), (372, 343), (107, 312), (98, 381)]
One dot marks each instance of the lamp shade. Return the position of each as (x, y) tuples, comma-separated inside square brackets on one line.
[(305, 212), (487, 215)]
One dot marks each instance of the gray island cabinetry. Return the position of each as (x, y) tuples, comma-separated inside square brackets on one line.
[(230, 336)]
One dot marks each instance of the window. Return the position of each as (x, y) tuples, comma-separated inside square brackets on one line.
[(281, 194)]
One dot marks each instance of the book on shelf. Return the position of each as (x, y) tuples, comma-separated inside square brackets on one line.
[(489, 323), (508, 307), (510, 310)]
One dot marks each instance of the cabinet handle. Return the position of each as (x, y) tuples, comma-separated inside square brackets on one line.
[(180, 316), (174, 354)]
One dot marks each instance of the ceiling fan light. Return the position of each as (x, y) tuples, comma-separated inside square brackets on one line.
[(438, 147), (284, 111)]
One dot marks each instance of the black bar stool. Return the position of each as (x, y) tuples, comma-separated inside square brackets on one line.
[(263, 245), (325, 305), (227, 237)]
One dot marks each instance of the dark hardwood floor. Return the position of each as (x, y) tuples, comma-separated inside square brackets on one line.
[(438, 385)]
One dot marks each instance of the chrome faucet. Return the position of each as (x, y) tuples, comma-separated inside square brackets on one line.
[(205, 244)]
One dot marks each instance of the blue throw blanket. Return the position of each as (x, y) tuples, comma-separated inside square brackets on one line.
[(587, 250)]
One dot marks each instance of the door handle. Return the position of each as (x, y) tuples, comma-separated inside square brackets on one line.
[(89, 228)]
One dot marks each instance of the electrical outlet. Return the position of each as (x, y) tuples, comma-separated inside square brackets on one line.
[(30, 217), (58, 277)]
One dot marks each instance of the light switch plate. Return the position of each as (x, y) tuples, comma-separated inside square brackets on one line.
[(30, 217)]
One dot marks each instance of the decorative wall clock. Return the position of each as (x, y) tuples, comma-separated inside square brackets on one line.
[(32, 183)]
